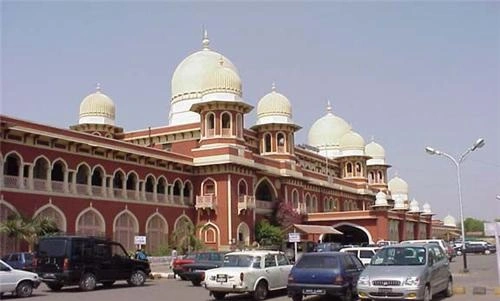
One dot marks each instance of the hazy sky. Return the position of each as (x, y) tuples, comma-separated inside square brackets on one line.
[(410, 74)]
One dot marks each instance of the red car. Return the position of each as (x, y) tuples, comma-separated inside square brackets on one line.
[(179, 262)]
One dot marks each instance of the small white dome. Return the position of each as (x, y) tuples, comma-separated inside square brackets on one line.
[(352, 144), (222, 80), (398, 186), (189, 76), (377, 152), (399, 203), (449, 221), (426, 209), (381, 199), (328, 130), (274, 107), (414, 206), (97, 108)]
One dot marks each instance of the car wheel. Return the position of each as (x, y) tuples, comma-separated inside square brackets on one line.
[(107, 284), (219, 295), (297, 297), (196, 282), (88, 282), (260, 291), (448, 292), (427, 293), (347, 294), (487, 252), (137, 278), (24, 289), (55, 286), (459, 253)]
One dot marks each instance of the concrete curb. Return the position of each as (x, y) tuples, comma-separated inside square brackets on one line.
[(477, 290), (158, 275)]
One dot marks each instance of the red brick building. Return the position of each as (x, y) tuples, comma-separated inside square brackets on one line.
[(206, 168)]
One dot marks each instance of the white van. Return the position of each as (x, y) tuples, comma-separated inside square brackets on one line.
[(365, 254)]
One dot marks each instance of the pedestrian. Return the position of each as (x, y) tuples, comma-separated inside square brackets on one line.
[(173, 256), (141, 255)]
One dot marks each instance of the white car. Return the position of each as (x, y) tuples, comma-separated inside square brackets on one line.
[(255, 272), (17, 282), (364, 254)]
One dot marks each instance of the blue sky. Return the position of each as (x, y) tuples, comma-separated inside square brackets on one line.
[(410, 74)]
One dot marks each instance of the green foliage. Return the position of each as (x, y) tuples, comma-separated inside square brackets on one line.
[(267, 234), (185, 239), (162, 250), (473, 225), (28, 229)]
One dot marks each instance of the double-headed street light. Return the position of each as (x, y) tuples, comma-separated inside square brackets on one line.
[(478, 144)]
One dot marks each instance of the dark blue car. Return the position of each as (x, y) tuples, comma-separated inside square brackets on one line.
[(20, 260), (325, 274)]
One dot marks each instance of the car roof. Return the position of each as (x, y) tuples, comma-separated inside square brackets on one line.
[(361, 248), (415, 244), (330, 253), (255, 252)]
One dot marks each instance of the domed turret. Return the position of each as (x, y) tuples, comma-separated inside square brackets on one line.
[(97, 108), (449, 221), (399, 203), (381, 200), (398, 186), (328, 130), (414, 208), (221, 82), (274, 107), (188, 82), (427, 209), (352, 144), (377, 152)]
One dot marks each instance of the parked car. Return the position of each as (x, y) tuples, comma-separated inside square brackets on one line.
[(406, 272), (441, 243), (382, 242), (325, 274), (254, 272), (17, 282), (86, 261), (476, 247), (364, 254), (328, 247), (179, 262), (195, 272), (20, 260)]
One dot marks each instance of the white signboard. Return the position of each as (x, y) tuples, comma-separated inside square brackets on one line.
[(489, 228), (293, 237), (139, 240)]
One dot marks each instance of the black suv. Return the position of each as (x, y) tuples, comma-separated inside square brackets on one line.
[(86, 261)]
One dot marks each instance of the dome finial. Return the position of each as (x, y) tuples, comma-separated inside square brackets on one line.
[(372, 138), (273, 87), (98, 87), (221, 60), (328, 106), (205, 42)]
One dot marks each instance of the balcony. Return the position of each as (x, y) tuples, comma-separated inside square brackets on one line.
[(206, 202), (245, 202)]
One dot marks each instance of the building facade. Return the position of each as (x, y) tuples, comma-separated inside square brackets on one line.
[(206, 169)]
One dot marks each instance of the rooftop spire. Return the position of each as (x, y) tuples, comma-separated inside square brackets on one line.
[(273, 87), (328, 106), (205, 42), (98, 87)]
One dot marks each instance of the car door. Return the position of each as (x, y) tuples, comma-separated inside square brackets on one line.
[(441, 265), (121, 264), (352, 268), (284, 269), (8, 278), (272, 271)]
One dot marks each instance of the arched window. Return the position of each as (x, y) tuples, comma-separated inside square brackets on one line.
[(90, 223), (380, 177), (208, 187), (239, 126), (359, 170), (97, 181), (177, 192), (226, 124), (12, 165), (280, 137), (188, 193), (210, 124), (371, 179), (149, 187), (53, 215), (131, 186), (125, 230), (267, 143), (242, 188), (348, 168), (8, 244), (57, 176), (295, 199), (156, 234), (82, 179), (161, 192), (40, 174), (118, 184)]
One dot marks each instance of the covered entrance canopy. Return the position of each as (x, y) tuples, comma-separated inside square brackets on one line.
[(313, 232)]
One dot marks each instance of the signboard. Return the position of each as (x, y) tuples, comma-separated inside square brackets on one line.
[(139, 240), (293, 237), (489, 228)]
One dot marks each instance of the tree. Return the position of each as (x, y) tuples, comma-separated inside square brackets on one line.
[(184, 237), (473, 225), (267, 234), (28, 229), (286, 215)]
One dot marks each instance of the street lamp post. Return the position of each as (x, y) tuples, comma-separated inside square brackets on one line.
[(478, 144)]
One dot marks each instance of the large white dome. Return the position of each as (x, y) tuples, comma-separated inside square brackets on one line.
[(97, 108), (189, 79), (274, 107), (328, 130), (398, 186)]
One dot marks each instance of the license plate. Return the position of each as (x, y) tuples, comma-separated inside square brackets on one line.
[(312, 291), (384, 289), (49, 275), (221, 278)]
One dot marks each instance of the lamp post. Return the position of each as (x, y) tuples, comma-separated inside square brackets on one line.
[(478, 144)]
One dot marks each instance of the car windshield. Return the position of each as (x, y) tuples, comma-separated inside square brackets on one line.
[(400, 256), (241, 261), (318, 262)]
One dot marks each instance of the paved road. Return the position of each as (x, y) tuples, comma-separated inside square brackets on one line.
[(482, 273)]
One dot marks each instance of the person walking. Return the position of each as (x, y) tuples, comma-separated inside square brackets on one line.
[(173, 256)]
